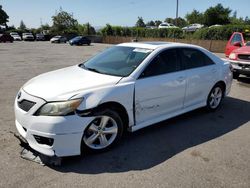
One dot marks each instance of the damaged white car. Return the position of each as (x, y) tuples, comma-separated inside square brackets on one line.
[(126, 87)]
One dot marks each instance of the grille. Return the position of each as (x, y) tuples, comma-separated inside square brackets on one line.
[(26, 105), (244, 66), (244, 57)]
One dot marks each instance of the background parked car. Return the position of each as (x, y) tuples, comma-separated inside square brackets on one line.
[(192, 27), (216, 25), (79, 40), (238, 53), (40, 37), (28, 37), (166, 25), (6, 38), (58, 39), (15, 36)]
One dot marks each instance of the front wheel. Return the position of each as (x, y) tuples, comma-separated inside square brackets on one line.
[(103, 132), (215, 97)]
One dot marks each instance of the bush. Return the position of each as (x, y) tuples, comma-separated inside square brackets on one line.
[(141, 32), (214, 33), (219, 33)]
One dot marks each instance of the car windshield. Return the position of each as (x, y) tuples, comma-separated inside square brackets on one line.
[(77, 38), (117, 61)]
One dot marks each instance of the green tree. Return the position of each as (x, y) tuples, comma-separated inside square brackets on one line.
[(140, 22), (107, 30), (22, 26), (86, 29), (247, 20), (180, 22), (169, 20), (63, 22), (194, 17), (150, 23), (45, 29), (157, 22), (217, 15), (4, 18)]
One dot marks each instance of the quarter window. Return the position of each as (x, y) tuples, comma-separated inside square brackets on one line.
[(193, 58)]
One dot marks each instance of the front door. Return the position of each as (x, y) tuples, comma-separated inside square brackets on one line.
[(160, 90)]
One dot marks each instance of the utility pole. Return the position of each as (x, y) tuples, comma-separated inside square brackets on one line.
[(177, 7)]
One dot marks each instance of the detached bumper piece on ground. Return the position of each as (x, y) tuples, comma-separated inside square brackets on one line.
[(29, 154)]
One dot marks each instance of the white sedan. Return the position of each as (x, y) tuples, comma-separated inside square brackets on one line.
[(126, 87), (192, 27)]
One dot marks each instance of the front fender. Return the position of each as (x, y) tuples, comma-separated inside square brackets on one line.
[(122, 93)]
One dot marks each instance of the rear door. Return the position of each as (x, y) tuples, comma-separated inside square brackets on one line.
[(234, 39), (201, 75)]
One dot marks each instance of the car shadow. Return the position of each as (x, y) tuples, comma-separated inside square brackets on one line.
[(151, 146), (245, 80)]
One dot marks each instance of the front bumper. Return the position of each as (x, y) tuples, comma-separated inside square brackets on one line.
[(65, 131), (241, 67)]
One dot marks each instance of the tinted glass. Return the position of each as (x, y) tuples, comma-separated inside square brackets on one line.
[(165, 62), (193, 58), (118, 60)]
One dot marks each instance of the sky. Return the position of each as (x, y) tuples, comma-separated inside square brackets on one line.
[(114, 12)]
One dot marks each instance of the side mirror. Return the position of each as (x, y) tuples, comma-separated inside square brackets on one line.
[(238, 44)]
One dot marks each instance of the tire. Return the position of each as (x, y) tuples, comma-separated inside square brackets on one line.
[(236, 75), (215, 97), (103, 133)]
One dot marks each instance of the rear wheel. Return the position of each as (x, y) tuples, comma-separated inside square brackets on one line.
[(103, 132), (215, 97)]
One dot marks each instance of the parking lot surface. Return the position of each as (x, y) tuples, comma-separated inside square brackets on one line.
[(197, 149)]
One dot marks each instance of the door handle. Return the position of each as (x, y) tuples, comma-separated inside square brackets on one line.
[(213, 70)]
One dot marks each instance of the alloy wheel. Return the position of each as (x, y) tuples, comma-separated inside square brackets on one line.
[(101, 132), (215, 97)]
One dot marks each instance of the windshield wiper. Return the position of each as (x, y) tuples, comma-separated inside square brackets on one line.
[(91, 69)]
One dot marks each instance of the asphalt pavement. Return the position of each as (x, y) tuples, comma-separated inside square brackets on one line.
[(197, 149)]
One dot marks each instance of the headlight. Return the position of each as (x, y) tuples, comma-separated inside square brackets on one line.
[(232, 56), (59, 108)]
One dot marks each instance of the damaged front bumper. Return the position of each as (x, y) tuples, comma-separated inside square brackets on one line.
[(50, 135)]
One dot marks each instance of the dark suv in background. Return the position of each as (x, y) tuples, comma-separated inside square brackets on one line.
[(79, 40)]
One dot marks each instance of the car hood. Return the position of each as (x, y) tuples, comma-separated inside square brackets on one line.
[(242, 50), (62, 84)]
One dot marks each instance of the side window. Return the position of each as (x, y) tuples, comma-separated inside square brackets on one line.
[(236, 38), (193, 58), (165, 62)]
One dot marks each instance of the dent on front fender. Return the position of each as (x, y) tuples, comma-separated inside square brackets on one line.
[(122, 93)]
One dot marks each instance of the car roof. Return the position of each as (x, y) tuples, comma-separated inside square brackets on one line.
[(155, 45)]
